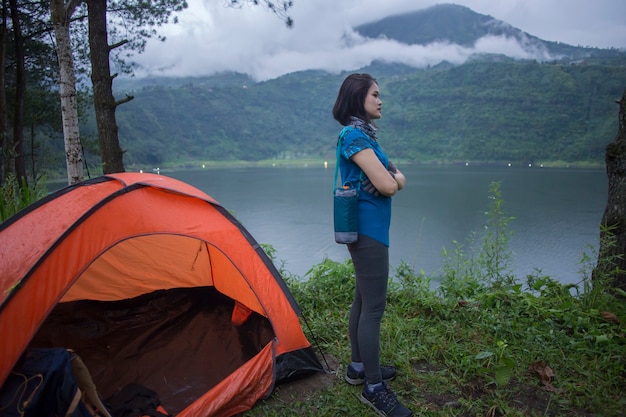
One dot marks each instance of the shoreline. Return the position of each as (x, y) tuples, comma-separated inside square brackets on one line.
[(320, 162)]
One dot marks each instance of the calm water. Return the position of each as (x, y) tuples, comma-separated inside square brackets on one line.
[(557, 213)]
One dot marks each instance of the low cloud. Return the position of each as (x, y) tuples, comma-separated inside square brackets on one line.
[(355, 53), (211, 38)]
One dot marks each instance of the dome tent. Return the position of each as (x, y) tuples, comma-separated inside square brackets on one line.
[(150, 281)]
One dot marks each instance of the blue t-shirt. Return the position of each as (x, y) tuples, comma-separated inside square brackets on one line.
[(374, 212)]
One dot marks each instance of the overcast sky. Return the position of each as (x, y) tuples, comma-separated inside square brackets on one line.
[(210, 37)]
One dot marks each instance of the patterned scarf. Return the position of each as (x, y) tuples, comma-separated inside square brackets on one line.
[(368, 128)]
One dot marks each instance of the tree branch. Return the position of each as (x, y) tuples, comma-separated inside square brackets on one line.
[(117, 45), (71, 7), (279, 7), (124, 100)]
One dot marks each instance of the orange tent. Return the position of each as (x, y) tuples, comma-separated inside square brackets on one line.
[(150, 281)]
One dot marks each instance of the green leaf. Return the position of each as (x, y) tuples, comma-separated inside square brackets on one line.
[(504, 371), (484, 355)]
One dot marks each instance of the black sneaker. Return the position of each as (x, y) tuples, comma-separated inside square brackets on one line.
[(353, 377), (384, 402)]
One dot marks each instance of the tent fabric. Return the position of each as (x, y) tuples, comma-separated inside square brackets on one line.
[(74, 265)]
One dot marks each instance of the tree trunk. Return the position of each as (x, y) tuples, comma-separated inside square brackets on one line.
[(104, 102), (67, 85), (4, 127), (612, 255), (17, 150)]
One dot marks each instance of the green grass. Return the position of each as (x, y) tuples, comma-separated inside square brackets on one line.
[(480, 343), (16, 195)]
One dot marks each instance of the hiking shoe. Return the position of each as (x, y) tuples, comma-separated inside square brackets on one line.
[(384, 402), (353, 377)]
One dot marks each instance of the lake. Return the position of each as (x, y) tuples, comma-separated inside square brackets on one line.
[(557, 213)]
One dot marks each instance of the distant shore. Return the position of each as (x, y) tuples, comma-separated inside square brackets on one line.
[(57, 178), (320, 162)]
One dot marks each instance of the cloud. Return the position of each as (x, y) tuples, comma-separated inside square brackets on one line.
[(211, 38)]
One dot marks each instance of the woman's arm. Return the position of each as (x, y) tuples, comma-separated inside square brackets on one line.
[(378, 175)]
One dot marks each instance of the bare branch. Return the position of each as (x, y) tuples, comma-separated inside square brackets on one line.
[(118, 44), (71, 7), (279, 8), (124, 100)]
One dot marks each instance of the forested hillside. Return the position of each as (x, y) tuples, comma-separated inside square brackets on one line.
[(490, 109)]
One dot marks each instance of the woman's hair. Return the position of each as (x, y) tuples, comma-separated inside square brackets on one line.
[(351, 98)]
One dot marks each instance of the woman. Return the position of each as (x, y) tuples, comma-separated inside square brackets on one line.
[(362, 160)]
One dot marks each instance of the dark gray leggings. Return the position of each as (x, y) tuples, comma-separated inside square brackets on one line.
[(371, 264)]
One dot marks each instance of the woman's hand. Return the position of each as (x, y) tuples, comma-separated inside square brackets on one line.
[(380, 178), (397, 175), (400, 179), (368, 187)]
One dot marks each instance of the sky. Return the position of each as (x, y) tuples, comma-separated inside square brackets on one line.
[(212, 38)]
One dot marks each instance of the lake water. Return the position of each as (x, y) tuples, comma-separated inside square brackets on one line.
[(557, 213)]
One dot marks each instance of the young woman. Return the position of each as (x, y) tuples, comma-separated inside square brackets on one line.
[(363, 161)]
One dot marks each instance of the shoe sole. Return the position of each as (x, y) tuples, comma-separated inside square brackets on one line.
[(373, 407), (357, 381)]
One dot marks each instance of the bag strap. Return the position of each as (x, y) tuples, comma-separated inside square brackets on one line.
[(341, 135), (86, 384), (344, 131)]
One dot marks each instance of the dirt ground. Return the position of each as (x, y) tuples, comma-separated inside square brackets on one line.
[(531, 400)]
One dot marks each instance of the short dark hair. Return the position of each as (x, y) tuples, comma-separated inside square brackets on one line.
[(351, 98)]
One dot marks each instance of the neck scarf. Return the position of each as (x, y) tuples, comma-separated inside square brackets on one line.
[(367, 128)]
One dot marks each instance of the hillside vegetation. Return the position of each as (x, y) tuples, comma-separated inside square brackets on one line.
[(490, 109)]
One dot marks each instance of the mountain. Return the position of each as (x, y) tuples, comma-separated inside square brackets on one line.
[(451, 23), (492, 108), (441, 23)]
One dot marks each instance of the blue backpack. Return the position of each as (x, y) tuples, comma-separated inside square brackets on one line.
[(42, 384)]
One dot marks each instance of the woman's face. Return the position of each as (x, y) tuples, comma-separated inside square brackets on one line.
[(373, 104)]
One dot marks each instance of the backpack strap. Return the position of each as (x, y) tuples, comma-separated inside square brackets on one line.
[(86, 385), (74, 404)]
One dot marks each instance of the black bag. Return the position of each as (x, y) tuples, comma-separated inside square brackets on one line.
[(135, 400), (345, 205)]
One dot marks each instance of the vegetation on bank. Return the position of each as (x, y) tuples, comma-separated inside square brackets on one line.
[(480, 343)]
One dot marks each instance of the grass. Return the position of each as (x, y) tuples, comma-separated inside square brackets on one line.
[(480, 343), (17, 194)]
